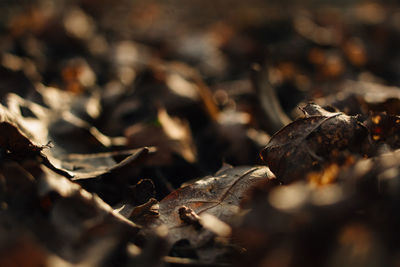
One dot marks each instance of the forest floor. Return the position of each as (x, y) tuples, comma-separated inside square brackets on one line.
[(198, 133)]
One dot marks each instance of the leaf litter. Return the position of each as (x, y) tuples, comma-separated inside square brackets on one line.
[(117, 134)]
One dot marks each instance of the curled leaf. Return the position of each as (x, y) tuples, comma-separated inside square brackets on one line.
[(307, 143)]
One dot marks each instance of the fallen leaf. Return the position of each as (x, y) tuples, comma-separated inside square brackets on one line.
[(59, 124), (14, 142), (308, 143), (86, 166), (217, 195)]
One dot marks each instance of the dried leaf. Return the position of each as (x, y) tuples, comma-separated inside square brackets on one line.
[(55, 125), (308, 143), (59, 124), (86, 166), (218, 196), (13, 141)]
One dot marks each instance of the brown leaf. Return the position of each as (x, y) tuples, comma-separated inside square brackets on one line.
[(108, 174), (217, 195), (13, 141), (59, 123), (86, 166), (65, 124), (66, 132), (309, 142)]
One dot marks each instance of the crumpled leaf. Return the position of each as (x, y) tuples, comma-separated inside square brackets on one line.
[(86, 166), (108, 174), (62, 124), (308, 143), (13, 141), (56, 124), (41, 124), (218, 196)]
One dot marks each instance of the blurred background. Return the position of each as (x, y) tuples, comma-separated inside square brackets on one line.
[(146, 60), (205, 83), (299, 41)]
